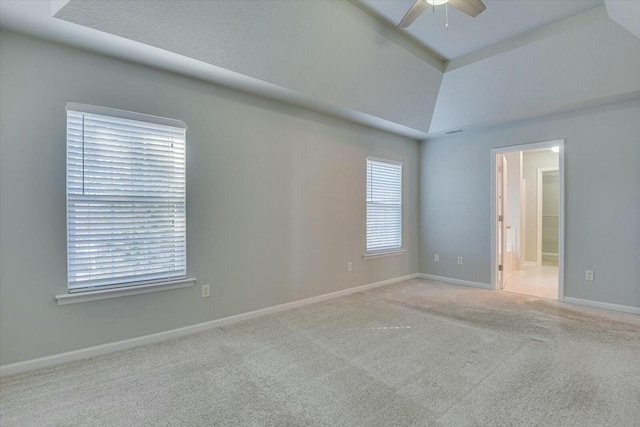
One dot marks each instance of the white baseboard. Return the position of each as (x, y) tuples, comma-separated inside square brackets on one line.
[(456, 281), (56, 359), (605, 305)]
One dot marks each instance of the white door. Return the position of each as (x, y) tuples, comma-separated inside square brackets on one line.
[(503, 262)]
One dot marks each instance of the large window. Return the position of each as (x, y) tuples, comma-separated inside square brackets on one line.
[(384, 205), (125, 198)]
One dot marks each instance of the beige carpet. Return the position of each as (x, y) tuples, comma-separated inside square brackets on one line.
[(415, 353)]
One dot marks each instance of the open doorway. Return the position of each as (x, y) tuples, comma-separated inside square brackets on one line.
[(527, 219)]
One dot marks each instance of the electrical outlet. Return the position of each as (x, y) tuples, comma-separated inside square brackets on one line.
[(436, 257), (349, 266), (588, 275), (205, 291), (459, 260)]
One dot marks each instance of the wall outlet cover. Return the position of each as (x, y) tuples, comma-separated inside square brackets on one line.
[(588, 275), (205, 291), (436, 257), (459, 260)]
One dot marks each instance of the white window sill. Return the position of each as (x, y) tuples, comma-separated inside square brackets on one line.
[(381, 254), (77, 297)]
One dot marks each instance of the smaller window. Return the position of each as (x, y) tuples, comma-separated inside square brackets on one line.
[(384, 205)]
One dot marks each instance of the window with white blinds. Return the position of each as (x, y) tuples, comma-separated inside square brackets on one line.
[(384, 205), (126, 199)]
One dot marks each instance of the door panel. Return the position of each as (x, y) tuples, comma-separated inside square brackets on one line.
[(504, 265), (499, 212), (507, 231)]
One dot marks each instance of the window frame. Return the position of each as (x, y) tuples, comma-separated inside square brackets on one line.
[(123, 288), (391, 250)]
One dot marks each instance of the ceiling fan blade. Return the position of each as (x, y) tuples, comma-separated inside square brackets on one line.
[(412, 14), (470, 7)]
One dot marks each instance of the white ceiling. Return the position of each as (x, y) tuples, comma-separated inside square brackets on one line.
[(502, 19)]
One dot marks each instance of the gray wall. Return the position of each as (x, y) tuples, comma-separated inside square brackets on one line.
[(275, 210), (602, 200)]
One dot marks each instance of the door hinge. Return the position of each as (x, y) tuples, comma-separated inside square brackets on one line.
[(500, 218), (499, 268)]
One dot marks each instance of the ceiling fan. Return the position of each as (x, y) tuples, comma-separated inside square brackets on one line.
[(471, 7)]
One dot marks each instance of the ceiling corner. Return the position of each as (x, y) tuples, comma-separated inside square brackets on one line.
[(626, 14), (57, 5)]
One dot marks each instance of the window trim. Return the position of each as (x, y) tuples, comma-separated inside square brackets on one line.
[(99, 294), (387, 251), (384, 253)]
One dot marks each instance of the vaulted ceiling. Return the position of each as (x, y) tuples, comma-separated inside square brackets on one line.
[(500, 21), (519, 59)]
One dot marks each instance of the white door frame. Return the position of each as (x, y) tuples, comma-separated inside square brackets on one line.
[(561, 207), (540, 174)]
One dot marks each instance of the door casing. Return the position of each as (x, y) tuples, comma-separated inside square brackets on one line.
[(561, 209)]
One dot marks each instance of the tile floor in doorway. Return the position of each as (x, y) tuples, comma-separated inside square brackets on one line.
[(536, 280)]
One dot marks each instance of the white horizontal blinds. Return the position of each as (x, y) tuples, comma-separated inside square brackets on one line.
[(384, 205), (126, 218)]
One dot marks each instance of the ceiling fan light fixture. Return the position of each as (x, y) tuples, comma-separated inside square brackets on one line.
[(437, 2), (469, 7)]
